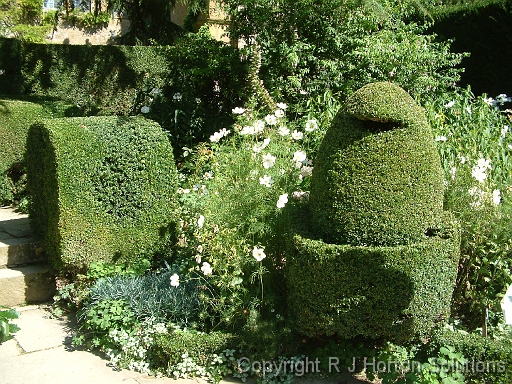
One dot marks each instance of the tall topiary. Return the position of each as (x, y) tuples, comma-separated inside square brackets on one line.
[(102, 189), (378, 178), (374, 254)]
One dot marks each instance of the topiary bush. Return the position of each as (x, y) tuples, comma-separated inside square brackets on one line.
[(396, 293), (374, 254), (102, 189), (377, 178), (16, 116)]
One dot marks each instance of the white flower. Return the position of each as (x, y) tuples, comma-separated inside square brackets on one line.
[(496, 197), (479, 173), (247, 130), (259, 126), (266, 181), (281, 105), (238, 110), (177, 97), (198, 259), (468, 109), (279, 113), (461, 158), (198, 100), (301, 196), (224, 132), (215, 138), (185, 191), (206, 269), (453, 172), (271, 119), (258, 253), (449, 104), (311, 125), (504, 131), (258, 148), (490, 101), (145, 109), (299, 156), (484, 164), (208, 175), (268, 161), (156, 91), (200, 248), (175, 280), (441, 138), (283, 131), (283, 199), (306, 171), (200, 221), (297, 135)]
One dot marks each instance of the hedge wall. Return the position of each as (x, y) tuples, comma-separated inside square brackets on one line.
[(102, 189), (396, 293), (16, 116), (118, 80)]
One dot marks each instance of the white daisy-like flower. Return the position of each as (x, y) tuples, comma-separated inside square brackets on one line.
[(200, 221), (258, 148), (259, 126), (484, 163), (311, 125), (450, 104), (496, 197), (461, 158), (266, 181), (258, 253), (200, 248), (504, 131), (283, 199), (283, 131), (198, 259), (306, 171), (282, 105), (479, 174), (175, 280), (247, 130), (144, 109), (238, 110), (297, 135), (271, 119), (206, 269), (268, 161), (279, 113), (441, 138), (215, 138), (299, 156), (224, 132)]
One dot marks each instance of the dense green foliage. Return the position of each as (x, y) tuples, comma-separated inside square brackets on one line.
[(189, 88), (16, 116), (24, 19), (102, 189), (397, 293), (378, 178), (487, 360)]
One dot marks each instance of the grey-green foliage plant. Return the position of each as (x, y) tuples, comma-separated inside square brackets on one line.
[(6, 327), (308, 47), (149, 296)]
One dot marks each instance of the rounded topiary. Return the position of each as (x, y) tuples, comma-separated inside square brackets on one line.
[(377, 178)]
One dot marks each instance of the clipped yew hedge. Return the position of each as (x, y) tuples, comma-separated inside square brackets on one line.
[(102, 189)]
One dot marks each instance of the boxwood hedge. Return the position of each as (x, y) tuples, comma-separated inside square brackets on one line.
[(102, 189), (396, 293)]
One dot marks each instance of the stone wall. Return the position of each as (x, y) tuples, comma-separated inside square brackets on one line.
[(68, 34)]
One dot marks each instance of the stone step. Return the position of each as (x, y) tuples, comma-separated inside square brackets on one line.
[(26, 285)]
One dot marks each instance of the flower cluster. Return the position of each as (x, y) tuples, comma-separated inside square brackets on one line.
[(480, 169)]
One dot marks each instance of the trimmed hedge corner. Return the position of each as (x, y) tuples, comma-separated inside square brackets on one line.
[(102, 189), (397, 293), (378, 178)]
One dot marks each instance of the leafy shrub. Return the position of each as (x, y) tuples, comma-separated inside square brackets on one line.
[(487, 360), (102, 189), (16, 116), (378, 178)]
